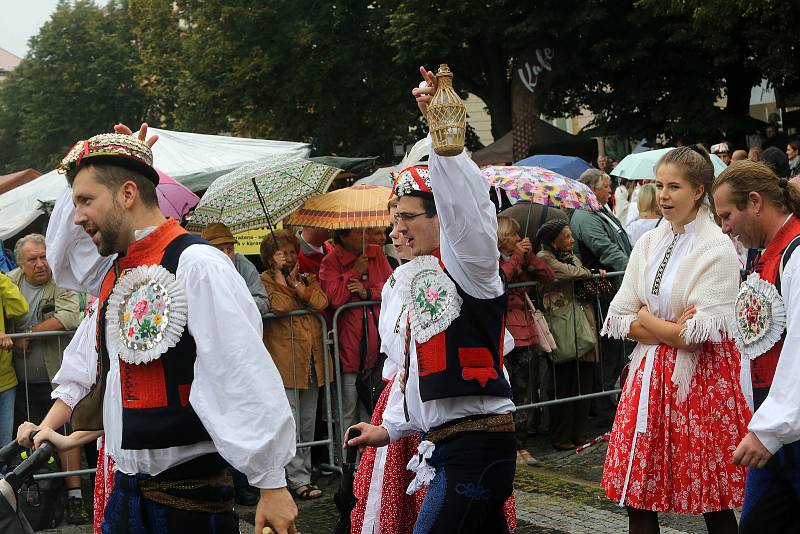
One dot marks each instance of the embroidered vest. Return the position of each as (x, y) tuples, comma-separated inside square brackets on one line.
[(156, 413), (467, 358), (762, 369)]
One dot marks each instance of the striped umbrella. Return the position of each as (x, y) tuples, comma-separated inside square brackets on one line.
[(357, 206)]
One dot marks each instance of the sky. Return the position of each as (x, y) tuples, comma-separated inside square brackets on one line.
[(21, 20)]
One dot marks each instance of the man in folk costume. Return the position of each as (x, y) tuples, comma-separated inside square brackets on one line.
[(184, 382), (453, 386), (764, 211)]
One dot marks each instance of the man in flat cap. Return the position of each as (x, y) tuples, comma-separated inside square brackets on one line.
[(184, 383)]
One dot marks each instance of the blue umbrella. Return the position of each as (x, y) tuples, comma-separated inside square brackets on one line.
[(569, 166)]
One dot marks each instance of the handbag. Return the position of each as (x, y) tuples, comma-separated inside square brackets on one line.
[(545, 341), (572, 332), (593, 288), (369, 382)]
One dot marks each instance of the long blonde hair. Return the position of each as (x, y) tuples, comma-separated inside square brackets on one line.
[(647, 202)]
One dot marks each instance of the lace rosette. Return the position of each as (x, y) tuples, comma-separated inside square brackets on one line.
[(760, 316), (430, 295), (147, 313)]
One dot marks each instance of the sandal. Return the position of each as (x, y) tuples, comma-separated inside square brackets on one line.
[(307, 492), (526, 458)]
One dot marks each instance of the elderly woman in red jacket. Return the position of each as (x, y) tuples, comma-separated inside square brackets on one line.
[(355, 271), (520, 264)]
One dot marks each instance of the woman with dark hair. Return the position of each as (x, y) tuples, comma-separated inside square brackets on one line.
[(295, 344), (682, 411), (793, 153), (574, 359)]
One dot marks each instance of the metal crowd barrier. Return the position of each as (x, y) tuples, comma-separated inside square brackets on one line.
[(330, 442), (601, 360), (331, 339)]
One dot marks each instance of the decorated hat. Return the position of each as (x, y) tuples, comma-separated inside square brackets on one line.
[(218, 234), (415, 181), (111, 149)]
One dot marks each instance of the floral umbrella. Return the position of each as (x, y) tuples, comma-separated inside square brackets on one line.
[(259, 193), (542, 186)]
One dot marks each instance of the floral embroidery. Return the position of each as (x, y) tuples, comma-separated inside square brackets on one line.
[(146, 314), (760, 316), (430, 295), (430, 298)]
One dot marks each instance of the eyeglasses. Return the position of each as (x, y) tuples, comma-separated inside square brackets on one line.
[(405, 217)]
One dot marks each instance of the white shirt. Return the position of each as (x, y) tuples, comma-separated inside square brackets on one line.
[(237, 392), (777, 420), (468, 245), (637, 228)]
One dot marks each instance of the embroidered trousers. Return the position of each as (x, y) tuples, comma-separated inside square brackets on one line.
[(474, 478), (128, 512)]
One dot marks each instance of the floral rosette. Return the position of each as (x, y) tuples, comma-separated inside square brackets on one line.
[(147, 314), (430, 295), (760, 317)]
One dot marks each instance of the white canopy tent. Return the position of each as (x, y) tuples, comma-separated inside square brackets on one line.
[(193, 159)]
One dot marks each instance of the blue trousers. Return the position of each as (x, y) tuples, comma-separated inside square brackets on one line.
[(772, 495), (474, 478)]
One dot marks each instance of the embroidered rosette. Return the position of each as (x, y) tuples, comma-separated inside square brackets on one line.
[(760, 316), (146, 315), (430, 295)]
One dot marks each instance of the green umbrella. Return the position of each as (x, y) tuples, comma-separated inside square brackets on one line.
[(642, 166), (260, 193)]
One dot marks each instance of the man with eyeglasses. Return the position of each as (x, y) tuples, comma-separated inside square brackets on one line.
[(452, 387)]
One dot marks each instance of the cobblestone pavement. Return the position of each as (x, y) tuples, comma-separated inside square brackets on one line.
[(562, 495)]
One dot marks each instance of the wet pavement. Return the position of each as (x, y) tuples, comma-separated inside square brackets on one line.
[(561, 495)]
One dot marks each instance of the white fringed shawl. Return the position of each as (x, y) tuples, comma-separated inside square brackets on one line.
[(708, 277)]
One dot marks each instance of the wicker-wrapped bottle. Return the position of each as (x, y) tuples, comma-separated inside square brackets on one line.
[(447, 116)]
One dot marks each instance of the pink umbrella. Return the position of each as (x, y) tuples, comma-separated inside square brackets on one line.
[(174, 199)]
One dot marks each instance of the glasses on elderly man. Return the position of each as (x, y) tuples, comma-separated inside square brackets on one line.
[(405, 217)]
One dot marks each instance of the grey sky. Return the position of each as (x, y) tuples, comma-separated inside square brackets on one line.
[(21, 20)]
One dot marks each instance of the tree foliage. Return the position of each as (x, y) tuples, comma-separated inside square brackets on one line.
[(76, 80)]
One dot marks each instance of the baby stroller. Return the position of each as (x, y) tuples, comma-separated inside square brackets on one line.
[(12, 520)]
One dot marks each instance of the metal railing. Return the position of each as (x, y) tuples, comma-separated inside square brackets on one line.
[(331, 339), (330, 442), (529, 406)]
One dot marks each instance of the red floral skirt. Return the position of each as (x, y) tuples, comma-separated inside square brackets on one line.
[(684, 461), (398, 510), (103, 484)]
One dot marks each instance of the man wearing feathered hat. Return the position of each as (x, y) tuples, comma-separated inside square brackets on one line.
[(184, 383), (453, 387)]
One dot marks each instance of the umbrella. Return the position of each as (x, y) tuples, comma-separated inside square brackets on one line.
[(642, 166), (569, 166), (542, 186), (255, 195), (357, 206), (174, 199), (344, 498)]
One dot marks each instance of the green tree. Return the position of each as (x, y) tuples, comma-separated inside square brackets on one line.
[(75, 81), (289, 70)]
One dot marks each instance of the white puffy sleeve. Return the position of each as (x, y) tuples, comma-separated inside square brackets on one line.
[(79, 364), (72, 255), (237, 391), (777, 420)]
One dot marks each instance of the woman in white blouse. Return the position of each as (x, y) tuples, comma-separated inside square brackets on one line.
[(682, 411), (649, 213)]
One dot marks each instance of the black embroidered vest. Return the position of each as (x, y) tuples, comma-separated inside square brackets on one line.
[(467, 358)]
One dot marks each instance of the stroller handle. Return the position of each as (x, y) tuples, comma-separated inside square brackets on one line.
[(29, 466)]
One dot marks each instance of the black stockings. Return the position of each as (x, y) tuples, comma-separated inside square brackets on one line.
[(646, 522)]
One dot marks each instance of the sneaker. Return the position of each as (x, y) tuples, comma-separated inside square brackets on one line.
[(76, 512), (246, 496)]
